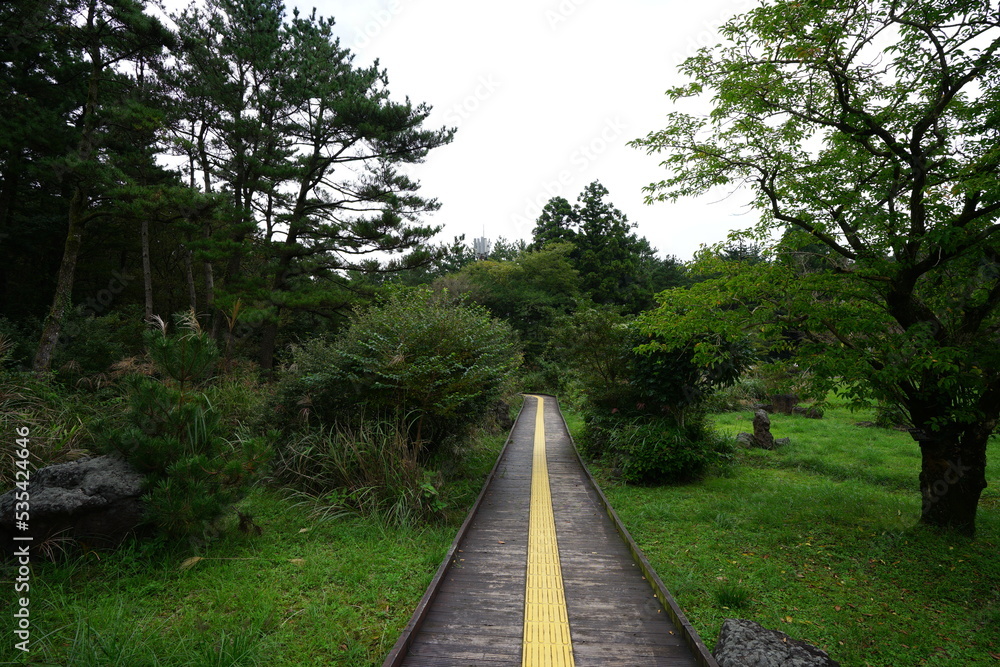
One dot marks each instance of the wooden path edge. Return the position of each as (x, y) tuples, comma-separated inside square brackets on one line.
[(690, 635), (701, 653), (402, 645)]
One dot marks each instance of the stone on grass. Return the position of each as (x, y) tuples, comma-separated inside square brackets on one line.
[(808, 413), (762, 430), (95, 500), (784, 403), (747, 644)]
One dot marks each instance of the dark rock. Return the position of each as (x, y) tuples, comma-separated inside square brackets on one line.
[(746, 440), (782, 442), (808, 413), (97, 500), (748, 644), (762, 430), (784, 403), (500, 414)]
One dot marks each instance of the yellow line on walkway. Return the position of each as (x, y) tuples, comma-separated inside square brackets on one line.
[(546, 625)]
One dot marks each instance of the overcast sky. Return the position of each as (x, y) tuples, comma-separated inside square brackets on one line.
[(545, 94)]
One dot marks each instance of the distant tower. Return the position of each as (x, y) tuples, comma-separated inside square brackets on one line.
[(482, 247)]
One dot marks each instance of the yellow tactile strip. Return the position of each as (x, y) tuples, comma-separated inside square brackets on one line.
[(546, 624)]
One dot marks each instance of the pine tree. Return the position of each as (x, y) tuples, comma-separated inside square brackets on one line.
[(108, 39), (194, 474)]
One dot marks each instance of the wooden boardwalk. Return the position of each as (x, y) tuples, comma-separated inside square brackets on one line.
[(589, 576)]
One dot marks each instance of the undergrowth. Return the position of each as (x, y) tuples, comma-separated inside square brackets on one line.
[(819, 539)]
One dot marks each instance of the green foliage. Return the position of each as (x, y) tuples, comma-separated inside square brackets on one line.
[(17, 343), (822, 545), (529, 292), (313, 162), (431, 365), (174, 436), (626, 371), (369, 470), (655, 450), (616, 267), (642, 408), (746, 391), (90, 344), (891, 168), (60, 422)]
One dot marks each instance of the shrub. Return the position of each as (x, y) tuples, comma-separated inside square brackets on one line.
[(17, 342), (90, 344), (747, 391), (432, 365), (174, 436), (660, 450)]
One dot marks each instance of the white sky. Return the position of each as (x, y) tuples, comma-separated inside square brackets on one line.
[(545, 94)]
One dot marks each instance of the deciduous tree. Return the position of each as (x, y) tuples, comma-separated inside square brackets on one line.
[(872, 128)]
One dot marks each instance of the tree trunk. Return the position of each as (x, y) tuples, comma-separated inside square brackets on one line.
[(189, 277), (147, 272), (78, 204), (64, 285), (268, 337), (952, 477)]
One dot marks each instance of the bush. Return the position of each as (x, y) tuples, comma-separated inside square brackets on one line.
[(18, 341), (747, 391), (175, 437), (657, 450), (90, 344), (431, 365)]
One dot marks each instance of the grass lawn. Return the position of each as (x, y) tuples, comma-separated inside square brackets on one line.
[(819, 540), (304, 592)]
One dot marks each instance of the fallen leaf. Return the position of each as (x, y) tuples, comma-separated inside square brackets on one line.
[(836, 607), (305, 530), (297, 561), (190, 562)]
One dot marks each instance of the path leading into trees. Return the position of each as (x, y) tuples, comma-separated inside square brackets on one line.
[(542, 573)]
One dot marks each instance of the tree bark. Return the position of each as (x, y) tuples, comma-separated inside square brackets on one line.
[(64, 285), (62, 299), (147, 272), (268, 337), (189, 277), (952, 478)]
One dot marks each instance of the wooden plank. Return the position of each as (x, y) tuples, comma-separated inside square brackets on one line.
[(616, 614), (402, 647)]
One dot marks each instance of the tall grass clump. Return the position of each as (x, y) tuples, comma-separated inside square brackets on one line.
[(59, 421), (368, 469)]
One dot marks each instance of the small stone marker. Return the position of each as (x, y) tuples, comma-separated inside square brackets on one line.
[(761, 436), (762, 430)]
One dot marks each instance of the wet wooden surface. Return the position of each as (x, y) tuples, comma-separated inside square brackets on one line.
[(476, 617)]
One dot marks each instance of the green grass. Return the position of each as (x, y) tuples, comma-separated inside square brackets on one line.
[(819, 540), (304, 592)]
